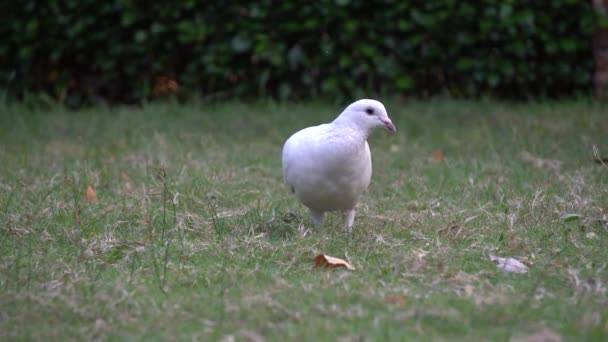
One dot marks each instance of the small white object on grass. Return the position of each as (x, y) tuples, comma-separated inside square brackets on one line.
[(509, 264), (328, 167)]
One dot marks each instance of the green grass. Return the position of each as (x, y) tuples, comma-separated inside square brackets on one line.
[(188, 239)]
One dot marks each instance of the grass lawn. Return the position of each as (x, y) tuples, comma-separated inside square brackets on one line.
[(193, 235)]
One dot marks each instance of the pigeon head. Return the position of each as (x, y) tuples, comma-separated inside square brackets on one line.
[(367, 115)]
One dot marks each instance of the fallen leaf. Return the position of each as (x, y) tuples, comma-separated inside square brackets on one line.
[(164, 85), (437, 155), (590, 235), (570, 217), (127, 181), (19, 231), (124, 176), (394, 148), (395, 299), (331, 262), (91, 195), (509, 264)]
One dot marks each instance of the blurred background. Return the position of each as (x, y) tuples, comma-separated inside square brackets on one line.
[(81, 52)]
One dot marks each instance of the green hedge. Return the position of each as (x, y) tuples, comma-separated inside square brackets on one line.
[(80, 51)]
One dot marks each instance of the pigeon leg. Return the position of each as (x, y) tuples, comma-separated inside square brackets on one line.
[(349, 219), (317, 218)]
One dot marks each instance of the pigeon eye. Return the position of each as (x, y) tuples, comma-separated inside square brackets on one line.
[(369, 111)]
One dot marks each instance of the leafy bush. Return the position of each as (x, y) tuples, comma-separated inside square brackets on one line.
[(82, 50)]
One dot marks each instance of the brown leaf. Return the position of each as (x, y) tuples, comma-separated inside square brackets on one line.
[(331, 262), (128, 187), (124, 176), (395, 299), (91, 194), (19, 231), (437, 155), (164, 85), (126, 181)]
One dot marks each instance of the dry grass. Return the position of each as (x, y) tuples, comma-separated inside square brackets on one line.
[(193, 235)]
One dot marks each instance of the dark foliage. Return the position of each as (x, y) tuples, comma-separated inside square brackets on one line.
[(80, 51)]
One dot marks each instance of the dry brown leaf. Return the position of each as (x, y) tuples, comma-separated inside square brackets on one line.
[(437, 155), (127, 181), (509, 264), (164, 85), (91, 195), (124, 176), (19, 231), (395, 299), (331, 262)]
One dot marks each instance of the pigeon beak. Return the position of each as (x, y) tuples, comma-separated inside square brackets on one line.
[(389, 125)]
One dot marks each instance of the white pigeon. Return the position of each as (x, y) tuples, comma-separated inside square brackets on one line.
[(328, 167)]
